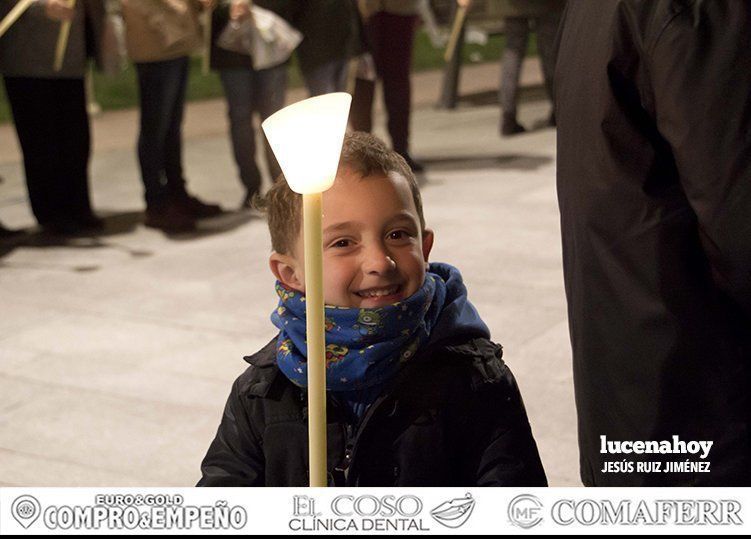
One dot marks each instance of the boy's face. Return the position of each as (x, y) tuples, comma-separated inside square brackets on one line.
[(374, 250)]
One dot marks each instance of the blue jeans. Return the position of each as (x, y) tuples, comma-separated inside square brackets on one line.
[(517, 32), (162, 88), (247, 92), (327, 78)]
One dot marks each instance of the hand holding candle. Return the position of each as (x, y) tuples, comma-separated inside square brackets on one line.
[(239, 9), (307, 140)]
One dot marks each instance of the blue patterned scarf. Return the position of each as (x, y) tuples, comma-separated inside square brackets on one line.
[(366, 347)]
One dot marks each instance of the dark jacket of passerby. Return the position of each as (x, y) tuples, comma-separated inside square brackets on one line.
[(527, 8), (395, 7), (28, 47), (224, 59), (452, 417), (654, 186), (330, 30)]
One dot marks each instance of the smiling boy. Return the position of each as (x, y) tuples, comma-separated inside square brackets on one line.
[(417, 393)]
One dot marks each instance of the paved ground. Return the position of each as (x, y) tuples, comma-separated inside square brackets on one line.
[(117, 352)]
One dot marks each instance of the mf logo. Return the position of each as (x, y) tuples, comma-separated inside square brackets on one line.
[(525, 511)]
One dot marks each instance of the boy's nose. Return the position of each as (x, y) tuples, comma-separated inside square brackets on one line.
[(377, 261)]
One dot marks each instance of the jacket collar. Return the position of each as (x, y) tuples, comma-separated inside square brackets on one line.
[(264, 373), (265, 370)]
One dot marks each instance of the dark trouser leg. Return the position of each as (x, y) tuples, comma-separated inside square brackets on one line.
[(75, 147), (327, 78), (33, 114), (361, 111), (52, 127), (547, 28), (173, 143), (392, 38), (238, 90), (270, 88), (517, 30), (159, 84)]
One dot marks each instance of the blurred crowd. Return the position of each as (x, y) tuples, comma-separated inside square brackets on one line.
[(341, 45)]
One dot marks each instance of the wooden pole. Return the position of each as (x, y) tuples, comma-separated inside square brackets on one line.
[(307, 140), (461, 15), (206, 60), (62, 40), (14, 14), (316, 339)]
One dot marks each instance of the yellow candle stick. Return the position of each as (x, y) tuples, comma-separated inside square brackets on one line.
[(206, 59), (14, 14), (316, 341), (62, 40), (307, 140), (461, 14)]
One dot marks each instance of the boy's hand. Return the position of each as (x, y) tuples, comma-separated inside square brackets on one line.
[(239, 9), (59, 10), (464, 3)]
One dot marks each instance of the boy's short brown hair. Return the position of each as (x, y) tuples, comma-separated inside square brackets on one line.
[(362, 153)]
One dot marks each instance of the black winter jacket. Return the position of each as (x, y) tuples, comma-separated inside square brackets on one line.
[(452, 417), (653, 103)]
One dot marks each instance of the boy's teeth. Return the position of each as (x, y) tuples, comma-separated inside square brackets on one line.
[(378, 293)]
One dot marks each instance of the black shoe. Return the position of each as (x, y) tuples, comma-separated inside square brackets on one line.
[(9, 233), (62, 228), (169, 217), (510, 127), (90, 222), (195, 207), (416, 166)]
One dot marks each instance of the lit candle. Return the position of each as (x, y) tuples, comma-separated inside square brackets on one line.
[(307, 140)]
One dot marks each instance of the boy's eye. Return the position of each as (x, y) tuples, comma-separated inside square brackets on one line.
[(399, 235), (341, 243)]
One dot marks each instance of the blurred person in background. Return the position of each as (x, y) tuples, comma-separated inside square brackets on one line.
[(49, 107), (543, 16), (331, 38), (248, 91), (390, 27), (160, 36)]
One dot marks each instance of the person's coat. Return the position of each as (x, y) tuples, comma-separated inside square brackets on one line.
[(224, 59), (162, 30), (453, 417), (654, 185), (28, 48)]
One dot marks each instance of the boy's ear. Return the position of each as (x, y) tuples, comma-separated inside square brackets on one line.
[(427, 243), (287, 271)]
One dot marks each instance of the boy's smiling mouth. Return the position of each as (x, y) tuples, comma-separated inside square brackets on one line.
[(379, 292), (381, 295)]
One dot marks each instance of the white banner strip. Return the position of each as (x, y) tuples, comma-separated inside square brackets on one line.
[(146, 511)]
